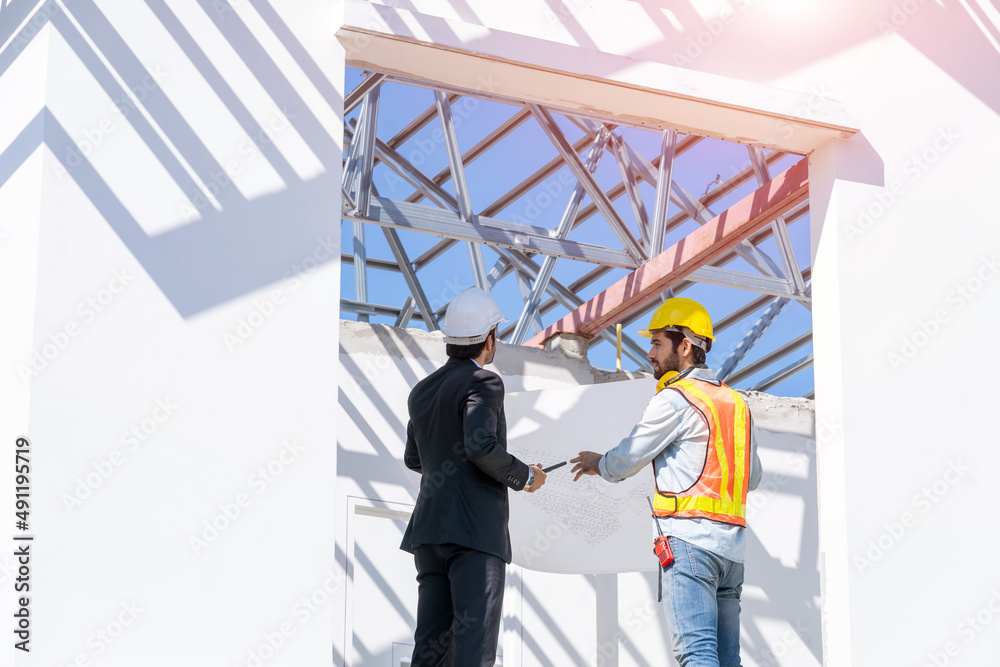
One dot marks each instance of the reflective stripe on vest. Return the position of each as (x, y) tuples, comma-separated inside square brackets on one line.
[(720, 493)]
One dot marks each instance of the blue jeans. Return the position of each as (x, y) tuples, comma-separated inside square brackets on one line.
[(701, 600)]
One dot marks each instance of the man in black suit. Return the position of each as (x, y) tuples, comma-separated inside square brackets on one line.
[(457, 440)]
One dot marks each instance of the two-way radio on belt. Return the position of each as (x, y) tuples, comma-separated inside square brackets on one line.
[(661, 547)]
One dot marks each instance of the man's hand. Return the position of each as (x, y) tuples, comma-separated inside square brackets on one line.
[(539, 478), (587, 463)]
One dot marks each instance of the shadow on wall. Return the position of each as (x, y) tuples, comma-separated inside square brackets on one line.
[(960, 38), (232, 246), (372, 405), (781, 618), (235, 246), (776, 37), (787, 572)]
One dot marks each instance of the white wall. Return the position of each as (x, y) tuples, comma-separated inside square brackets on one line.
[(554, 619), (170, 359), (375, 491), (780, 620), (903, 223), (88, 191)]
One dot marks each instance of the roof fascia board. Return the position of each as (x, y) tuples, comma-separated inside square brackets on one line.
[(574, 79)]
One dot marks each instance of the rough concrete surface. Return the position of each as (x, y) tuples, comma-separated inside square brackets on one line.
[(566, 365)]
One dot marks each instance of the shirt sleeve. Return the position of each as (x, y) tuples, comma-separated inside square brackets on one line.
[(756, 470), (656, 430)]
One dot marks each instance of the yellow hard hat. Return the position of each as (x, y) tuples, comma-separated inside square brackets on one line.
[(680, 312)]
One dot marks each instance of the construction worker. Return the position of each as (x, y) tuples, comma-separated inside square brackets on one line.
[(457, 440), (698, 434)]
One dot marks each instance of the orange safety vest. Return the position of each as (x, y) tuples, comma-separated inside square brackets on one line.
[(720, 493)]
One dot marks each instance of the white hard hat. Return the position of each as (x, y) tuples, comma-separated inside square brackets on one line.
[(470, 317)]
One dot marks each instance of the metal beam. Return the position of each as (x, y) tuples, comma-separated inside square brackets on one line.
[(752, 336), (631, 184), (454, 156), (639, 289), (703, 215), (381, 264), (354, 97), (761, 236), (420, 218), (411, 174), (524, 285), (417, 124), (461, 187), (410, 276), (596, 273), (572, 160), (732, 318), (498, 271), (414, 176), (360, 267), (753, 282), (479, 149), (683, 146), (405, 313), (663, 186), (571, 113), (768, 283), (530, 311), (370, 309), (569, 300), (779, 227), (679, 218), (348, 204), (502, 202), (784, 373), (366, 145), (724, 189), (358, 181), (760, 364), (478, 266)]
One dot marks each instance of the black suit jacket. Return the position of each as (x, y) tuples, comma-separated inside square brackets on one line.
[(457, 439)]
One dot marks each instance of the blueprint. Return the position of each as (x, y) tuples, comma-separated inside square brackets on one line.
[(591, 525)]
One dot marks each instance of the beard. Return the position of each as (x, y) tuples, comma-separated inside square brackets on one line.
[(668, 362)]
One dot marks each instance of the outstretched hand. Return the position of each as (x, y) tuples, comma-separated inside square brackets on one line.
[(587, 463), (539, 478)]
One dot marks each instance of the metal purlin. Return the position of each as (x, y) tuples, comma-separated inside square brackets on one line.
[(454, 219)]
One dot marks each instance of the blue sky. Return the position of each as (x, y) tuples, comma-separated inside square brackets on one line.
[(525, 150)]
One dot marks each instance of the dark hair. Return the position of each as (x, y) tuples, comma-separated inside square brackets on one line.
[(697, 354), (468, 351)]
